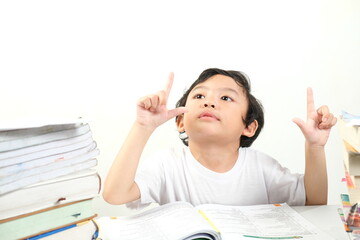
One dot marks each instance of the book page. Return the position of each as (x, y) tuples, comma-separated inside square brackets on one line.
[(23, 123), (249, 222), (177, 220)]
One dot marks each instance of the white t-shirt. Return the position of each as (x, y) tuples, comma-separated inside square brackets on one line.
[(175, 175)]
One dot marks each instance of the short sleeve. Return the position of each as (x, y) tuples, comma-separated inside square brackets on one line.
[(149, 178), (285, 186)]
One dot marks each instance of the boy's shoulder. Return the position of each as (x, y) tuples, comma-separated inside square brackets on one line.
[(252, 152), (254, 155), (170, 152), (169, 155)]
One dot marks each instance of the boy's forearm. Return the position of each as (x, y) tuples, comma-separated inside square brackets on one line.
[(119, 186), (315, 179)]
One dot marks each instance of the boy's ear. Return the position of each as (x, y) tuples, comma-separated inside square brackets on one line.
[(180, 123), (250, 130)]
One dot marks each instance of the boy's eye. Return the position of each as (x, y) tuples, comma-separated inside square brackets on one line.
[(199, 96), (226, 98)]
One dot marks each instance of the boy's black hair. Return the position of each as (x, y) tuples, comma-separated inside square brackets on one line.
[(255, 108)]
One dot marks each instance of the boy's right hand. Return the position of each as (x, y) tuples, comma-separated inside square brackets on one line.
[(152, 110)]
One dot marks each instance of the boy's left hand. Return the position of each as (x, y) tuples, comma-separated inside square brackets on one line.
[(318, 124)]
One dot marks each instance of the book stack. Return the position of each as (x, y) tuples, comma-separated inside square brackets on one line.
[(349, 126), (48, 179)]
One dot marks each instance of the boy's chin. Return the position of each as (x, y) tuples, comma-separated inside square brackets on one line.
[(211, 139)]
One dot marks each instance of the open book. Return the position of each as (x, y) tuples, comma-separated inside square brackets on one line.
[(180, 220)]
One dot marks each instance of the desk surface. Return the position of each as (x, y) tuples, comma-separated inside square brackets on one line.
[(326, 218)]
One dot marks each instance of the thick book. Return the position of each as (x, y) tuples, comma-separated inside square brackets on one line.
[(17, 139), (36, 122), (40, 166), (28, 166), (43, 176), (26, 154), (30, 225), (70, 188), (181, 220)]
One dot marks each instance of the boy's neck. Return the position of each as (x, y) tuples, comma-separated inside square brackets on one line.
[(214, 157)]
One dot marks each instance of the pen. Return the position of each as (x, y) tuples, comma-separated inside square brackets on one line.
[(51, 232), (261, 237)]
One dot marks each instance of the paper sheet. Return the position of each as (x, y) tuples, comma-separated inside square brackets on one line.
[(260, 221)]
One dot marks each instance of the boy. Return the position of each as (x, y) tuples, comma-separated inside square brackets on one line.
[(218, 114)]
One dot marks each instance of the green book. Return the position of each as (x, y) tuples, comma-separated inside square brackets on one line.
[(38, 222)]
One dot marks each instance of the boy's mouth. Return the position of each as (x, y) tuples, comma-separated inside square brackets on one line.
[(208, 115)]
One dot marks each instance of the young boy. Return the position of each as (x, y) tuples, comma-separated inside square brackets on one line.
[(218, 119)]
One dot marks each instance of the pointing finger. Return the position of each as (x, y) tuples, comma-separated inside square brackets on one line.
[(162, 97), (169, 84), (310, 103)]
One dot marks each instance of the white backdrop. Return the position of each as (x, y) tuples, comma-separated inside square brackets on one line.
[(96, 58)]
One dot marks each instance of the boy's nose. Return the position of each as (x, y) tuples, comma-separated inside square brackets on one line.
[(209, 105)]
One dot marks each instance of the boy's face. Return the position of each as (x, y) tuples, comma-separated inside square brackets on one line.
[(216, 109)]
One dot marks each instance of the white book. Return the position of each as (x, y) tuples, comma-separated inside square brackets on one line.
[(73, 187), (58, 164), (13, 134), (50, 148), (43, 161), (181, 220), (16, 139), (36, 122), (57, 172)]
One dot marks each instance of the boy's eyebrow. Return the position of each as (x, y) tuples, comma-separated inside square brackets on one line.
[(222, 89)]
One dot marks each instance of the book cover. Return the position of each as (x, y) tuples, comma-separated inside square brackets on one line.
[(29, 225), (70, 188), (36, 122)]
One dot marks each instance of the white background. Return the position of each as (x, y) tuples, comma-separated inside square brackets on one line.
[(96, 58)]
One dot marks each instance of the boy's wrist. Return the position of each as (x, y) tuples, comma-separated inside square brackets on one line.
[(144, 128), (314, 145)]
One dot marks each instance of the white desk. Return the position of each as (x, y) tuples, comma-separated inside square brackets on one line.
[(326, 218)]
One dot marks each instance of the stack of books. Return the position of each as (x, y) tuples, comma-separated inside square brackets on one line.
[(349, 126), (48, 179)]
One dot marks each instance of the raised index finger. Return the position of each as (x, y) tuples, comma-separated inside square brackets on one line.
[(310, 102), (169, 84)]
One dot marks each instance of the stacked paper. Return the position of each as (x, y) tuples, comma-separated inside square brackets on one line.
[(48, 179)]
